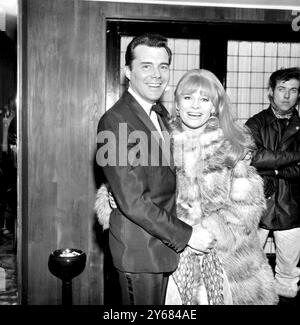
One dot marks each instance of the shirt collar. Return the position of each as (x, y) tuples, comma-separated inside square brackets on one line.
[(280, 114), (145, 105), (285, 116)]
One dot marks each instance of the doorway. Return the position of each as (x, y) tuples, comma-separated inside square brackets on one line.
[(8, 162)]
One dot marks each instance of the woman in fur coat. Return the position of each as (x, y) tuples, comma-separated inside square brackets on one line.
[(216, 187)]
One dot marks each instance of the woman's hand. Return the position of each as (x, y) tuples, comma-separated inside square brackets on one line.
[(201, 240)]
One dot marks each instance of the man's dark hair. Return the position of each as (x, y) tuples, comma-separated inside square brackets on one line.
[(148, 39), (284, 75)]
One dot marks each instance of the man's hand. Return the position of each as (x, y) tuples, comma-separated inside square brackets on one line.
[(201, 240)]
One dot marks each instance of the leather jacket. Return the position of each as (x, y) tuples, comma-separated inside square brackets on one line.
[(277, 160)]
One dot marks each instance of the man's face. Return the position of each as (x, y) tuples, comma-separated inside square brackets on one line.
[(149, 73), (285, 94)]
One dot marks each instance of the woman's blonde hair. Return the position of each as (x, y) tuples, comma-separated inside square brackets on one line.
[(211, 87)]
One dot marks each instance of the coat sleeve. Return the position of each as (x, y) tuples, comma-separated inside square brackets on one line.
[(129, 185), (290, 172), (243, 206), (264, 158)]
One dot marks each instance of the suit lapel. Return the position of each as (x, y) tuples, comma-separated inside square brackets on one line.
[(166, 144), (138, 111), (142, 115)]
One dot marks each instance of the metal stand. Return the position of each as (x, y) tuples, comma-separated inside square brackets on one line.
[(66, 264), (67, 298)]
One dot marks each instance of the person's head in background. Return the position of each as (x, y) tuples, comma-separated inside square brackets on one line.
[(147, 66), (284, 87)]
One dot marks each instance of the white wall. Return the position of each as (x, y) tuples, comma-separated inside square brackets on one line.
[(9, 6)]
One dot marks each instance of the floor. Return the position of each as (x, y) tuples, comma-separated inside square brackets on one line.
[(8, 281)]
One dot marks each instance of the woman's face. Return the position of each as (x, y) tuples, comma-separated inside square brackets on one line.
[(195, 109)]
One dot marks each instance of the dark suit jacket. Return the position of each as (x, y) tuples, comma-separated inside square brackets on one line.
[(145, 233)]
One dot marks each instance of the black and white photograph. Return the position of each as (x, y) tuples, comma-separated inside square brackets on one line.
[(150, 156)]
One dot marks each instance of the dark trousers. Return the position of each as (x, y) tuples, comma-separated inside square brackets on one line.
[(143, 288)]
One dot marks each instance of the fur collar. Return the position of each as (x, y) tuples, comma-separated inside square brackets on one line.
[(213, 147)]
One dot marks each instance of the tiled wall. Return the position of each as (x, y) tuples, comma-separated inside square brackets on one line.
[(249, 66)]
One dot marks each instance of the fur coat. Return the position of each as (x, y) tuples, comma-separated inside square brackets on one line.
[(228, 199)]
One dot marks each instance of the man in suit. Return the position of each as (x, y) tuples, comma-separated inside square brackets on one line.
[(276, 131), (145, 235)]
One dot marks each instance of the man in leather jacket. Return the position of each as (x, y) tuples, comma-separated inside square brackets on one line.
[(276, 131)]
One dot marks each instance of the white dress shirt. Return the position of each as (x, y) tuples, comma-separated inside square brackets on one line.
[(147, 108)]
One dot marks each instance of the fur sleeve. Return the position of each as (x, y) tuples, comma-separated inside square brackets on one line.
[(242, 210), (247, 195), (102, 206)]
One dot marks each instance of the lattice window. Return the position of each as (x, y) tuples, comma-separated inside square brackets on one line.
[(249, 66)]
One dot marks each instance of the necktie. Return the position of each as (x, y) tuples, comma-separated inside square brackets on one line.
[(156, 118), (157, 109)]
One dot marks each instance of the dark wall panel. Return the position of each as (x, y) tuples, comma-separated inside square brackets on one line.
[(65, 84)]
